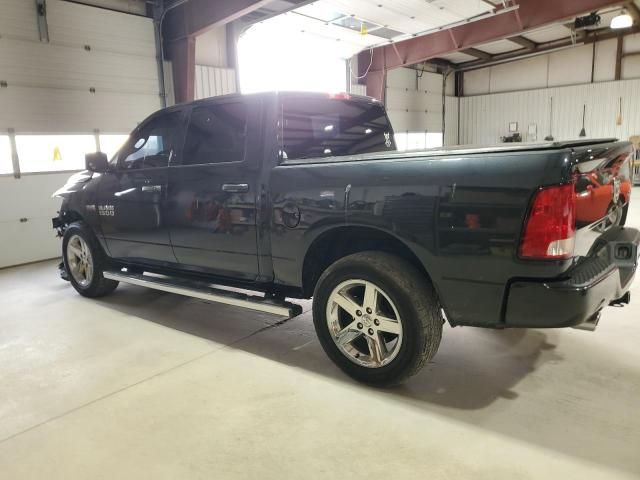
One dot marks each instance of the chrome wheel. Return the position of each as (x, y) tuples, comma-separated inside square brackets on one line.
[(613, 218), (80, 260), (364, 323)]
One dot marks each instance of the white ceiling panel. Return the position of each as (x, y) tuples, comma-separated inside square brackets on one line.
[(458, 57), (548, 33), (407, 16), (501, 46)]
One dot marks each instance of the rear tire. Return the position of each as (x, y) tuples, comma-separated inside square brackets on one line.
[(381, 343), (85, 261)]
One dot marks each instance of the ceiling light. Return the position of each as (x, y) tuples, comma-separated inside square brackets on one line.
[(623, 20)]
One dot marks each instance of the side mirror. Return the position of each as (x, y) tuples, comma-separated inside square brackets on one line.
[(96, 162)]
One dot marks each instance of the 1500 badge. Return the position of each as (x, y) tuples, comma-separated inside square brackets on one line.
[(106, 210)]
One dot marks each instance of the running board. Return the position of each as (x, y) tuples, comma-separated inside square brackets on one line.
[(204, 291)]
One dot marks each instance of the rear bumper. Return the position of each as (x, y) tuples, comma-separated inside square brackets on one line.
[(597, 280)]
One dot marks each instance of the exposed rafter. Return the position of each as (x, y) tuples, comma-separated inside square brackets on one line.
[(633, 10), (588, 38), (530, 14), (524, 42), (475, 52)]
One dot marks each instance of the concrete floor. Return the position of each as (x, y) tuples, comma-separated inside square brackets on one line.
[(144, 384)]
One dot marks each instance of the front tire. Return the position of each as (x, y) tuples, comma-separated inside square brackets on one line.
[(377, 317), (85, 261)]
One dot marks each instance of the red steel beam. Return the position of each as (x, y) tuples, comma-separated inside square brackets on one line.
[(530, 14), (181, 26), (197, 16)]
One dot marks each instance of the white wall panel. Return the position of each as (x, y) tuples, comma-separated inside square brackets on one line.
[(18, 19), (522, 75), (214, 81), (631, 67), (30, 199), (49, 65), (79, 25), (43, 110), (211, 47), (485, 118), (49, 83), (605, 64), (569, 67), (477, 82)]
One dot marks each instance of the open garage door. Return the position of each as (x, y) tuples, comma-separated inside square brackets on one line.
[(72, 78)]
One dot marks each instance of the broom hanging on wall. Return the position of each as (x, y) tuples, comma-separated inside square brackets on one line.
[(549, 138), (583, 132)]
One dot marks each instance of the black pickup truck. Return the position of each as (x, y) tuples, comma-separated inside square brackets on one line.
[(304, 195)]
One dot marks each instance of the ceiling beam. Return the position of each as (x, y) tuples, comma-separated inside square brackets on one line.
[(591, 37), (197, 16), (524, 42), (530, 14), (633, 10), (474, 52)]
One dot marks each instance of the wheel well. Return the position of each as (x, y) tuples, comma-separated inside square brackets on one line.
[(343, 241), (70, 216)]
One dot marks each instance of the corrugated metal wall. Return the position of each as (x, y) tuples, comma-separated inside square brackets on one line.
[(214, 81), (451, 120), (485, 118)]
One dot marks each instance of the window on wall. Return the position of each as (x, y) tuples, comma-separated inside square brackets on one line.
[(6, 165), (418, 140), (110, 144), (48, 153)]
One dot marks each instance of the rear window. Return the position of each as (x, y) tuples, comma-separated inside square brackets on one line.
[(322, 127)]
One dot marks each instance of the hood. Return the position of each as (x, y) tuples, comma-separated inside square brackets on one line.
[(74, 183)]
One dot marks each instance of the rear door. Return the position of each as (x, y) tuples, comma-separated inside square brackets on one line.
[(132, 199), (213, 191)]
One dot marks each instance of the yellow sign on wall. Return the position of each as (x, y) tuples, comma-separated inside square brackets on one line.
[(57, 156)]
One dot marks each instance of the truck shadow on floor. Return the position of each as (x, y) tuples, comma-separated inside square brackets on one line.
[(475, 377), (472, 369)]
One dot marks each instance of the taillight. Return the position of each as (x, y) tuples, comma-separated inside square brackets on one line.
[(550, 228)]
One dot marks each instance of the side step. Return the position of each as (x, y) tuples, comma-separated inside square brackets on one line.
[(204, 291)]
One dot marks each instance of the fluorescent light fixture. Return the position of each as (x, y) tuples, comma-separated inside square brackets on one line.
[(623, 20)]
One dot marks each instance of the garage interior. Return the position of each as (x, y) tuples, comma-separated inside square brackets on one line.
[(150, 384)]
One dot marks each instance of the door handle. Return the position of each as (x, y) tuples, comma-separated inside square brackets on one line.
[(151, 188), (235, 187)]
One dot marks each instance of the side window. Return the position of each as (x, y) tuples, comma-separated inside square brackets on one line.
[(216, 134), (152, 145), (323, 127)]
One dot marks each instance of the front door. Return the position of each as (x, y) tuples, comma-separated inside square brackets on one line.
[(213, 191), (132, 199)]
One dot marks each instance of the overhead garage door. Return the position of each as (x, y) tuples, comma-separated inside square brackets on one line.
[(414, 105), (93, 80)]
